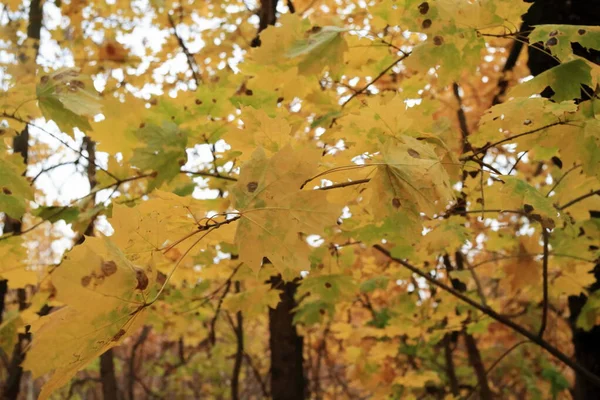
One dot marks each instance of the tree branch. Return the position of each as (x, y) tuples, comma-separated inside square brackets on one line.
[(381, 74), (584, 372), (462, 118), (510, 139), (190, 58), (580, 198), (132, 376), (239, 354), (210, 175)]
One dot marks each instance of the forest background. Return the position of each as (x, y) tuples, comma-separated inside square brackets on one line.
[(325, 199)]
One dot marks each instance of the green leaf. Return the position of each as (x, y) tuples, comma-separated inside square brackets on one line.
[(14, 188), (516, 194), (328, 288), (55, 213), (325, 47), (68, 98), (379, 282), (564, 79), (164, 152)]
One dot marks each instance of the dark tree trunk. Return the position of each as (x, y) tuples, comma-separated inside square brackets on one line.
[(572, 12), (110, 390), (287, 370)]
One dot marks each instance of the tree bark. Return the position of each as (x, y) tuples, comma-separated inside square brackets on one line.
[(287, 370), (110, 390)]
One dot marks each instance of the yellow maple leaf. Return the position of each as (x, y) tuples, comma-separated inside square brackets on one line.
[(274, 211), (105, 296), (410, 177)]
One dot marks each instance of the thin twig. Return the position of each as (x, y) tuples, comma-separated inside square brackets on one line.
[(517, 162), (46, 170), (132, 377), (257, 376), (381, 74), (545, 238), (559, 180), (506, 353), (210, 175), (66, 207), (510, 139), (344, 184), (580, 198), (213, 321)]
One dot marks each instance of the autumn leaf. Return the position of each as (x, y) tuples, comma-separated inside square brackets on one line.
[(163, 153), (410, 177), (15, 190), (105, 296), (69, 98), (274, 211)]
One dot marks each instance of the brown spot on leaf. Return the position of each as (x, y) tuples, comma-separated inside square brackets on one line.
[(426, 24), (86, 280), (44, 79), (214, 101), (328, 285), (6, 191), (557, 161), (424, 7), (109, 268), (553, 33), (251, 186), (396, 202), (322, 311), (581, 31), (198, 101), (249, 92), (77, 83), (119, 335), (528, 208), (279, 99), (413, 153), (551, 42), (527, 122), (142, 125), (142, 279), (438, 40), (58, 77)]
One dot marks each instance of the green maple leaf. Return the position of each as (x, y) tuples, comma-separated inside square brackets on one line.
[(15, 190), (164, 152), (68, 98), (564, 79)]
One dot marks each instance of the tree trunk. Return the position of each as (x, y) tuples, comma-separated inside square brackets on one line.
[(287, 371), (110, 390)]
